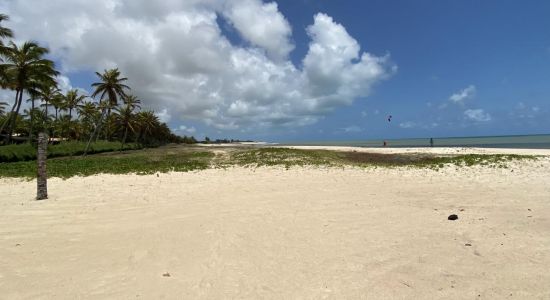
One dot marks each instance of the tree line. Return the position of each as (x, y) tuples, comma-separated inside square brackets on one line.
[(111, 112)]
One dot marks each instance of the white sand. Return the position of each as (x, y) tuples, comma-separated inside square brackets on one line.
[(434, 150), (270, 233)]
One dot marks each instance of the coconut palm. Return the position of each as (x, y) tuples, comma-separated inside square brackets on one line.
[(57, 102), (32, 113), (26, 71), (132, 101), (73, 101), (4, 33), (146, 121), (3, 106), (47, 94), (89, 115), (112, 86), (126, 118), (88, 110)]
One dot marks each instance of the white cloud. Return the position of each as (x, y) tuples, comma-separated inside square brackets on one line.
[(463, 95), (477, 115), (524, 111), (64, 85), (407, 124), (185, 129), (262, 25), (352, 129), (163, 115), (179, 62)]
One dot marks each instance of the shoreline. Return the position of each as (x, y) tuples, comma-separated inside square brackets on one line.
[(425, 150)]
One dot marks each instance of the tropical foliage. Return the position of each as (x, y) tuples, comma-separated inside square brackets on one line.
[(109, 113)]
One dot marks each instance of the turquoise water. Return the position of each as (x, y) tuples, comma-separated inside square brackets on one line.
[(517, 141)]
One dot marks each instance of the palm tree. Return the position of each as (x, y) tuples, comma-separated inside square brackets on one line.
[(112, 86), (146, 121), (89, 115), (126, 119), (57, 102), (47, 94), (73, 101), (31, 114), (4, 33), (132, 101), (4, 82), (26, 71), (3, 108)]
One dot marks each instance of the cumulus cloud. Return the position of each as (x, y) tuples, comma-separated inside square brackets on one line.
[(163, 115), (463, 95), (261, 25), (477, 115), (185, 129), (181, 64), (64, 85)]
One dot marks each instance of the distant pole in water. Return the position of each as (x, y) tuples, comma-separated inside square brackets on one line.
[(431, 142), (42, 177)]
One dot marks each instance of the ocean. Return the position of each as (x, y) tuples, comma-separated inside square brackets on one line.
[(541, 141)]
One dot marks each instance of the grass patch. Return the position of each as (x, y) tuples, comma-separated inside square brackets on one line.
[(184, 158), (283, 157), (430, 161), (138, 163), (26, 152), (296, 157)]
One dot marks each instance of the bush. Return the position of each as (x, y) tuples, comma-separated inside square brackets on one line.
[(25, 152)]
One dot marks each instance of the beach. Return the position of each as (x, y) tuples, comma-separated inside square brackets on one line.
[(277, 233)]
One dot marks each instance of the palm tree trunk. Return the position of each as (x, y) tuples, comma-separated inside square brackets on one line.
[(96, 130), (124, 138), (53, 127), (14, 118), (8, 120), (32, 120), (42, 177)]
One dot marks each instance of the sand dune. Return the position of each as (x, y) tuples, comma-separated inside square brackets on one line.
[(302, 233)]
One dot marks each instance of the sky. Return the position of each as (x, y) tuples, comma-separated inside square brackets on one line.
[(310, 69)]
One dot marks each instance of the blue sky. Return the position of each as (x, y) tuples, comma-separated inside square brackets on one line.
[(442, 47), (447, 68)]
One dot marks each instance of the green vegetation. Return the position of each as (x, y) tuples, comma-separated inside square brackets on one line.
[(134, 162), (295, 157), (25, 152), (284, 157), (187, 158), (429, 161)]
